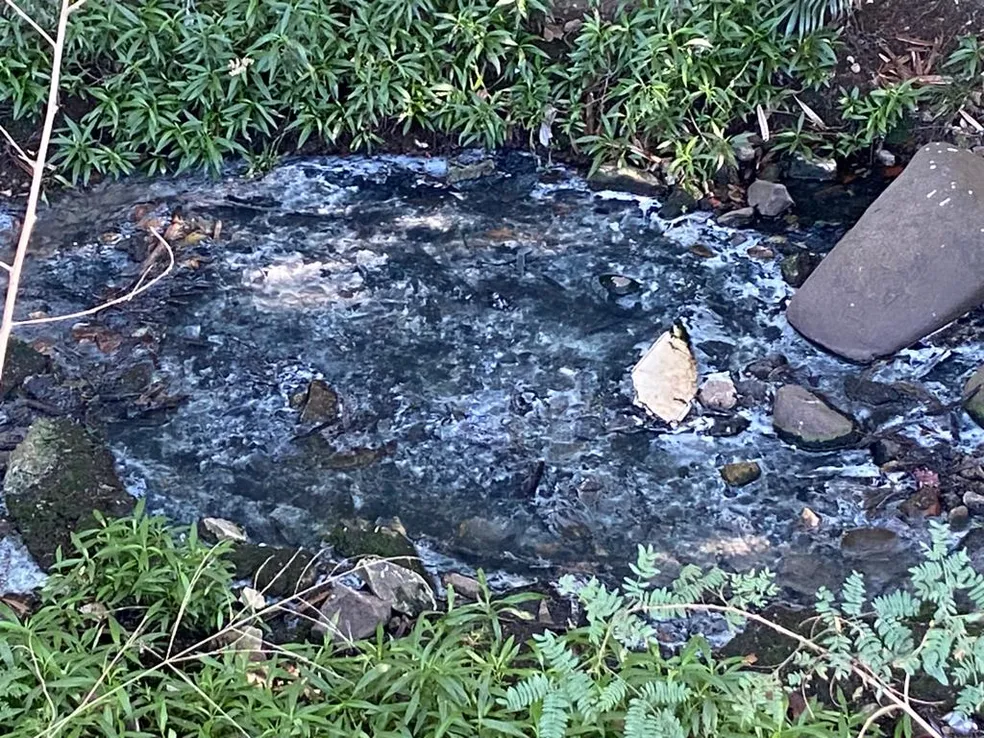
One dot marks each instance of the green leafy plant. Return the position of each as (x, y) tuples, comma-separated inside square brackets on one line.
[(803, 17)]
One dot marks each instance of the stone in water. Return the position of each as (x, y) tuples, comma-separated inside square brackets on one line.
[(913, 263), (665, 379)]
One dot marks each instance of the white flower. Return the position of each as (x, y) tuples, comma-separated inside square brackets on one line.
[(239, 66)]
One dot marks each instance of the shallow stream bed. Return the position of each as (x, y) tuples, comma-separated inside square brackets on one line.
[(481, 361)]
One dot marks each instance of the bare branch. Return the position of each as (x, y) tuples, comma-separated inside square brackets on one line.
[(5, 265), (30, 22), (20, 152), (141, 286)]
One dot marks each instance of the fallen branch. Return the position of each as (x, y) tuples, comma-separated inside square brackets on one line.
[(140, 287)]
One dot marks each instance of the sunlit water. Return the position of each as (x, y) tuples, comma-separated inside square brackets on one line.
[(482, 366)]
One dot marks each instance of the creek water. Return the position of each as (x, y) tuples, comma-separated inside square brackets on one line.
[(481, 364)]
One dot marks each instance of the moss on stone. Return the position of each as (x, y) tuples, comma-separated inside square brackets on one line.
[(57, 476), (279, 572), (22, 362), (357, 538)]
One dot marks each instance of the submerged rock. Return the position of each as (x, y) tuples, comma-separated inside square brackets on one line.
[(796, 268), (768, 198), (679, 202), (22, 362), (619, 285), (349, 615), (803, 419), (406, 591), (57, 477), (740, 473), (321, 404), (912, 264)]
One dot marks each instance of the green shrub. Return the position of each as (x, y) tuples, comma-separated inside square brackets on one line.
[(168, 85)]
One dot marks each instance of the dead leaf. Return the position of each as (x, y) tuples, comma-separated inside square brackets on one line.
[(20, 604), (665, 379), (217, 230), (224, 530), (95, 610), (106, 340), (178, 229), (750, 659), (573, 26), (504, 233), (763, 121), (253, 601), (811, 114)]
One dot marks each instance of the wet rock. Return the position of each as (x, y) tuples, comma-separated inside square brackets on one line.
[(618, 285), (407, 592), (737, 218), (805, 420), (803, 573), (321, 405), (740, 473), (679, 202), (768, 198), (924, 503), (220, 529), (466, 587), (745, 153), (275, 571), (871, 393), (761, 253), (958, 518), (22, 361), (349, 615), (797, 267), (809, 519), (865, 542), (718, 392), (885, 158), (732, 425), (703, 251), (665, 379), (465, 169), (246, 640), (885, 451), (626, 178), (752, 392), (57, 477), (973, 397), (767, 367), (814, 169), (357, 538), (974, 502), (479, 533), (910, 265)]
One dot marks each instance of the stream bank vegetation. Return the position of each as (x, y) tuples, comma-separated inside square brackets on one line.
[(139, 633), (171, 86)]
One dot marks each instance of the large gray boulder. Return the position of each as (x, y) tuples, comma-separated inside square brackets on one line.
[(58, 475), (913, 263)]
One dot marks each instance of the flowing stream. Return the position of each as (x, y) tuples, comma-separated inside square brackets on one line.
[(481, 359)]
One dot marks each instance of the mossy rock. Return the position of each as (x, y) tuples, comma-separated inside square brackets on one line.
[(278, 572), (22, 362), (57, 477), (357, 538)]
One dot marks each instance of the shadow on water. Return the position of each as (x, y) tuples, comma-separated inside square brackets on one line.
[(481, 365)]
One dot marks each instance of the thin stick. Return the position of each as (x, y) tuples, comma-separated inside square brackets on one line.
[(880, 713), (139, 288), (20, 152), (32, 24), (31, 214)]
